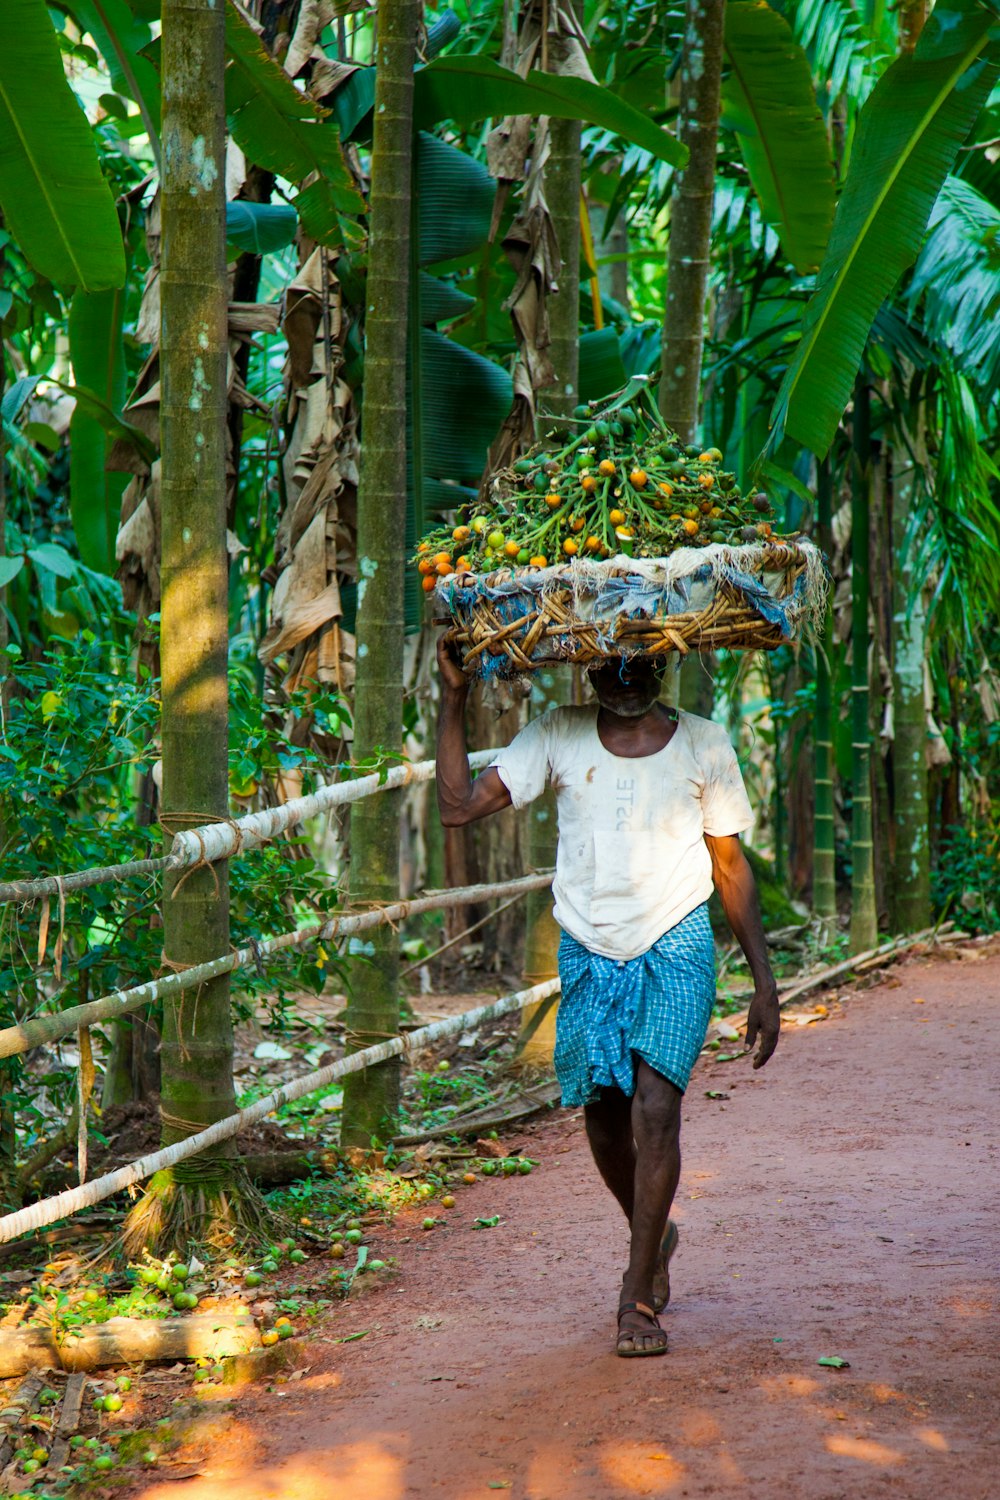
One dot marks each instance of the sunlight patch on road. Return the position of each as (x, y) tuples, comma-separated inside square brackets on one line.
[(865, 1449), (641, 1468)]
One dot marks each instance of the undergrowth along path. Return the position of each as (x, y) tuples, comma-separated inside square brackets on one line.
[(839, 1203)]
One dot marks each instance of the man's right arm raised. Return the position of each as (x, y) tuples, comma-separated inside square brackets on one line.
[(460, 799)]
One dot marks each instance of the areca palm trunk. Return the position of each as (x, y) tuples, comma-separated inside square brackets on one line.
[(10, 1198), (824, 889), (688, 259), (864, 924), (691, 217), (911, 873), (197, 1047), (551, 688), (371, 1098)]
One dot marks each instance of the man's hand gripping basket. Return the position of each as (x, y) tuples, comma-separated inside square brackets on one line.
[(745, 598)]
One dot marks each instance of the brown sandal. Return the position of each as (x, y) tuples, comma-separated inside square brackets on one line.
[(646, 1312), (661, 1281)]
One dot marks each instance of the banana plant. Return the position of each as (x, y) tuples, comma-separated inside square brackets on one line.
[(908, 136), (55, 200)]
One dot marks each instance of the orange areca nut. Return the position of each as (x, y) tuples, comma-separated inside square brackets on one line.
[(428, 583), (616, 517), (624, 532), (690, 527), (570, 547), (588, 483), (637, 478), (539, 561), (511, 548), (462, 565), (592, 544), (553, 501), (425, 565), (606, 467), (423, 546), (444, 568), (461, 533), (706, 481), (576, 523), (442, 557), (665, 488)]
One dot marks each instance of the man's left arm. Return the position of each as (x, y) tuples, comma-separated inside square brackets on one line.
[(738, 892)]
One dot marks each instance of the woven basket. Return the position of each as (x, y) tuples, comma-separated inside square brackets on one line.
[(743, 598)]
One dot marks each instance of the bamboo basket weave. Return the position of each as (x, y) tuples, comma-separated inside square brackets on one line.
[(743, 598)]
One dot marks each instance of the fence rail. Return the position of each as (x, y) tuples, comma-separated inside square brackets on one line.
[(48, 1210), (42, 1029), (231, 838)]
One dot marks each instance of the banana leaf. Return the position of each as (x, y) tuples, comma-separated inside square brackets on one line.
[(260, 227), (98, 355), (770, 103), (470, 88), (909, 132), (120, 36), (54, 198), (283, 131)]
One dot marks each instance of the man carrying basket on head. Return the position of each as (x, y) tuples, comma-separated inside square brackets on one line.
[(651, 804)]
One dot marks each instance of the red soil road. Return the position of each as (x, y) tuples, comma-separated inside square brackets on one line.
[(842, 1202)]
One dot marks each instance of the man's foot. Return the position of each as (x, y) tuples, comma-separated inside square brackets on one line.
[(639, 1332), (661, 1281)]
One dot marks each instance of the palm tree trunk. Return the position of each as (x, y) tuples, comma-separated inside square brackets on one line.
[(197, 1048), (824, 891), (10, 1197), (552, 688), (691, 217), (911, 874), (688, 260), (864, 925), (371, 1098)]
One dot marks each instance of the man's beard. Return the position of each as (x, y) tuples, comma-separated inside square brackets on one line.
[(627, 707)]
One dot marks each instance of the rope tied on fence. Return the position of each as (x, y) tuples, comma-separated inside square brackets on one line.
[(243, 833)]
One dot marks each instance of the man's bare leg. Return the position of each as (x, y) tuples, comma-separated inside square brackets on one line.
[(636, 1146)]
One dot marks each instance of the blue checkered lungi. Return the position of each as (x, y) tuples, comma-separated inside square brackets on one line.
[(656, 1006)]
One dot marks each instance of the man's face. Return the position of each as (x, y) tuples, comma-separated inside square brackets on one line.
[(627, 688)]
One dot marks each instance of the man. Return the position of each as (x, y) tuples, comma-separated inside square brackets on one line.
[(651, 804)]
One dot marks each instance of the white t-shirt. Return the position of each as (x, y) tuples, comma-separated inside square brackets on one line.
[(632, 860)]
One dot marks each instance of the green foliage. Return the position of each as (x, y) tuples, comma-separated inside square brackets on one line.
[(768, 99), (466, 89), (98, 355), (54, 197), (282, 130), (957, 282), (908, 135), (964, 881)]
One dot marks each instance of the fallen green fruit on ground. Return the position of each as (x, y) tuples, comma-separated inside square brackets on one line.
[(269, 1266), (180, 1272), (429, 1223), (149, 1457), (297, 1257), (524, 1167), (337, 1251), (286, 1331), (376, 1265), (31, 1465), (104, 1461), (353, 1236), (508, 1167), (124, 1383), (252, 1278), (113, 1403)]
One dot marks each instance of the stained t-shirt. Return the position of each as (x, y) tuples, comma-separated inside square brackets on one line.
[(632, 860)]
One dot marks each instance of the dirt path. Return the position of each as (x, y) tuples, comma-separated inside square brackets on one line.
[(842, 1202)]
